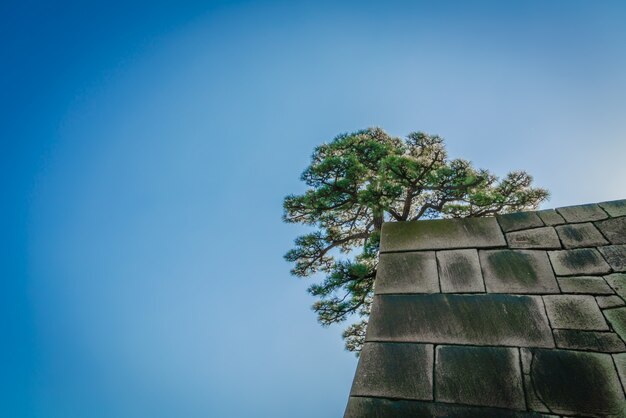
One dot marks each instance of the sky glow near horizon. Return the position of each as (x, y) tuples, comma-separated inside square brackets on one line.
[(147, 149)]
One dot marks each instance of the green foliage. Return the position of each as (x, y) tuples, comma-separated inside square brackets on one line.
[(360, 180)]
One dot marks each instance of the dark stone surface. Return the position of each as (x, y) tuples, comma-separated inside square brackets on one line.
[(459, 271), (539, 238), (577, 383), (385, 408), (578, 262), (460, 319), (395, 371), (519, 220), (574, 312), (614, 207), (589, 285), (614, 230), (517, 271), (618, 282), (487, 376), (617, 318), (606, 342), (609, 301), (550, 217), (616, 256), (441, 234), (580, 235), (582, 213), (407, 273), (620, 364)]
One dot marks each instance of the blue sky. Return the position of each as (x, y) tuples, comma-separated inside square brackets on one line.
[(146, 149)]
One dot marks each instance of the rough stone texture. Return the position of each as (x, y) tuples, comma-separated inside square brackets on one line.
[(460, 319), (519, 220), (582, 213), (385, 408), (615, 255), (609, 301), (618, 282), (606, 342), (414, 272), (517, 271), (459, 271), (574, 382), (615, 207), (574, 312), (617, 319), (584, 284), (578, 262), (441, 234), (550, 217), (620, 364), (540, 238), (462, 377), (532, 400), (395, 371), (614, 230), (580, 235)]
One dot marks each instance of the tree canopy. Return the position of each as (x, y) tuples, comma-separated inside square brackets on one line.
[(360, 180)]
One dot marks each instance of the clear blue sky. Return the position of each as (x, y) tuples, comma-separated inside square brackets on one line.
[(146, 149)]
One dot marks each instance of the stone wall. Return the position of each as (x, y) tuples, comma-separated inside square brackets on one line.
[(518, 315)]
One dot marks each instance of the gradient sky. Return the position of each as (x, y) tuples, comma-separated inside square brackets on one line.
[(146, 149)]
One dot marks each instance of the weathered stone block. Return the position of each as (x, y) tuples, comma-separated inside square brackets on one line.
[(414, 272), (517, 271), (582, 213), (605, 302), (459, 271), (574, 312), (578, 262), (615, 207), (578, 383), (614, 229), (386, 408), (550, 217), (618, 282), (606, 342), (519, 220), (617, 318), (532, 400), (544, 238), (486, 376), (615, 255), (395, 371), (580, 235), (620, 364), (460, 319), (584, 284), (441, 234)]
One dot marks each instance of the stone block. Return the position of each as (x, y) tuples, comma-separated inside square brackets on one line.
[(414, 272), (620, 364), (459, 271), (532, 400), (395, 371), (578, 262), (614, 208), (615, 255), (441, 234), (618, 282), (605, 302), (488, 319), (582, 213), (544, 238), (486, 376), (359, 407), (519, 220), (550, 217), (584, 284), (577, 383), (517, 271), (617, 319), (614, 229), (574, 312), (606, 342), (580, 235)]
